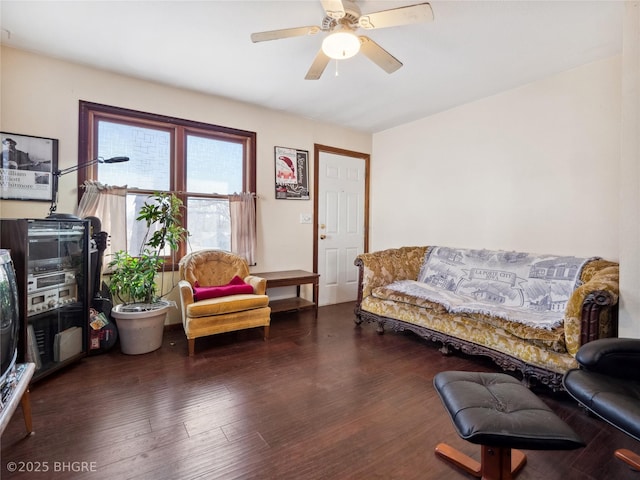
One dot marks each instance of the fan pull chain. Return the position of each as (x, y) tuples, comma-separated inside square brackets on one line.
[(337, 73)]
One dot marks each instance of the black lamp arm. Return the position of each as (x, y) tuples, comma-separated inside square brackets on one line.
[(74, 168), (58, 173)]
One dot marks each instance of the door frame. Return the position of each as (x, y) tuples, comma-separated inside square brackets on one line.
[(317, 150)]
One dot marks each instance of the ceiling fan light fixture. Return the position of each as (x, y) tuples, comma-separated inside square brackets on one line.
[(341, 44)]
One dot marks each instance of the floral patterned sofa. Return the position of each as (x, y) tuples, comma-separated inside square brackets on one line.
[(447, 302)]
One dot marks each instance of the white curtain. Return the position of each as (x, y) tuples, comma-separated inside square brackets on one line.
[(242, 207), (109, 204)]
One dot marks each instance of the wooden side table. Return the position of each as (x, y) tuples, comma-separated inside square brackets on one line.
[(19, 394), (288, 278)]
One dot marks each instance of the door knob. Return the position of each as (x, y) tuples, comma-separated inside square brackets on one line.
[(322, 237)]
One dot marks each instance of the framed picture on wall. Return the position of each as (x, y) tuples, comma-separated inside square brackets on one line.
[(28, 163), (292, 178)]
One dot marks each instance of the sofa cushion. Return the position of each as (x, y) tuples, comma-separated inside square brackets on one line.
[(552, 339), (235, 287), (228, 304), (195, 327)]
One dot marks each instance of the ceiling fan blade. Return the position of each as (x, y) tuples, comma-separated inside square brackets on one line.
[(317, 67), (397, 16), (284, 33), (333, 8), (379, 55)]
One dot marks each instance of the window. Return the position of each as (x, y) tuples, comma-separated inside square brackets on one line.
[(203, 164)]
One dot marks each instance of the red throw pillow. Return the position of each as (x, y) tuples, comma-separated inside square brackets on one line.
[(236, 286), (237, 281)]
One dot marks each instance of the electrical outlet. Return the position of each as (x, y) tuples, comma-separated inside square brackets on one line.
[(305, 218)]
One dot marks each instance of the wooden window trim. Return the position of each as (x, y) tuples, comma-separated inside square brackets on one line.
[(87, 145), (90, 113)]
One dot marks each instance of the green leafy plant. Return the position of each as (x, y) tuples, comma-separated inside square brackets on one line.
[(134, 277)]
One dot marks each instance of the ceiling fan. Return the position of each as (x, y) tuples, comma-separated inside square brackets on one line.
[(342, 19)]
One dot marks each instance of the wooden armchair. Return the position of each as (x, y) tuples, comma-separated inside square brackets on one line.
[(217, 295)]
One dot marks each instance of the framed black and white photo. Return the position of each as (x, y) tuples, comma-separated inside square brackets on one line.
[(292, 179), (28, 163)]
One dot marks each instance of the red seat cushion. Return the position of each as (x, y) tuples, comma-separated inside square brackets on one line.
[(236, 286)]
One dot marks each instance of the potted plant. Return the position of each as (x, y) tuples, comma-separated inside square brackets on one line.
[(141, 316)]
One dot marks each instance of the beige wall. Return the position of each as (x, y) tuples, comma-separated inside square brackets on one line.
[(39, 96), (630, 178), (532, 169)]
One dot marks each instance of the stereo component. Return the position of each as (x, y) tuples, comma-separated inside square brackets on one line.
[(46, 300), (50, 280)]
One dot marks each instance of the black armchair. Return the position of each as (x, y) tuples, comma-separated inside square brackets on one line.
[(608, 384)]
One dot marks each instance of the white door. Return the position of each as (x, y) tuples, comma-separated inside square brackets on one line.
[(340, 224)]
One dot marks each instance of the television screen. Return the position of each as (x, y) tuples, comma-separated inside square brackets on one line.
[(9, 317)]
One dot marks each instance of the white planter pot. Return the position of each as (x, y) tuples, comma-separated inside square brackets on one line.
[(140, 332)]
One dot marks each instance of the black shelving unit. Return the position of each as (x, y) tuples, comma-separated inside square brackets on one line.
[(51, 260)]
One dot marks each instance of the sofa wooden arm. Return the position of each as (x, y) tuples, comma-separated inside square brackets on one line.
[(592, 311)]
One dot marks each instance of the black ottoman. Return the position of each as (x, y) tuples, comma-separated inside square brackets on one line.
[(499, 413)]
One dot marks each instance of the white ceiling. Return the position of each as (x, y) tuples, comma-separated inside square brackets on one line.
[(471, 50)]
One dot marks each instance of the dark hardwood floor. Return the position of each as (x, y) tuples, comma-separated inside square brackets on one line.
[(322, 399)]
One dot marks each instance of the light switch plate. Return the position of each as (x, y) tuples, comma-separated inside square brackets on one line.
[(305, 218)]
